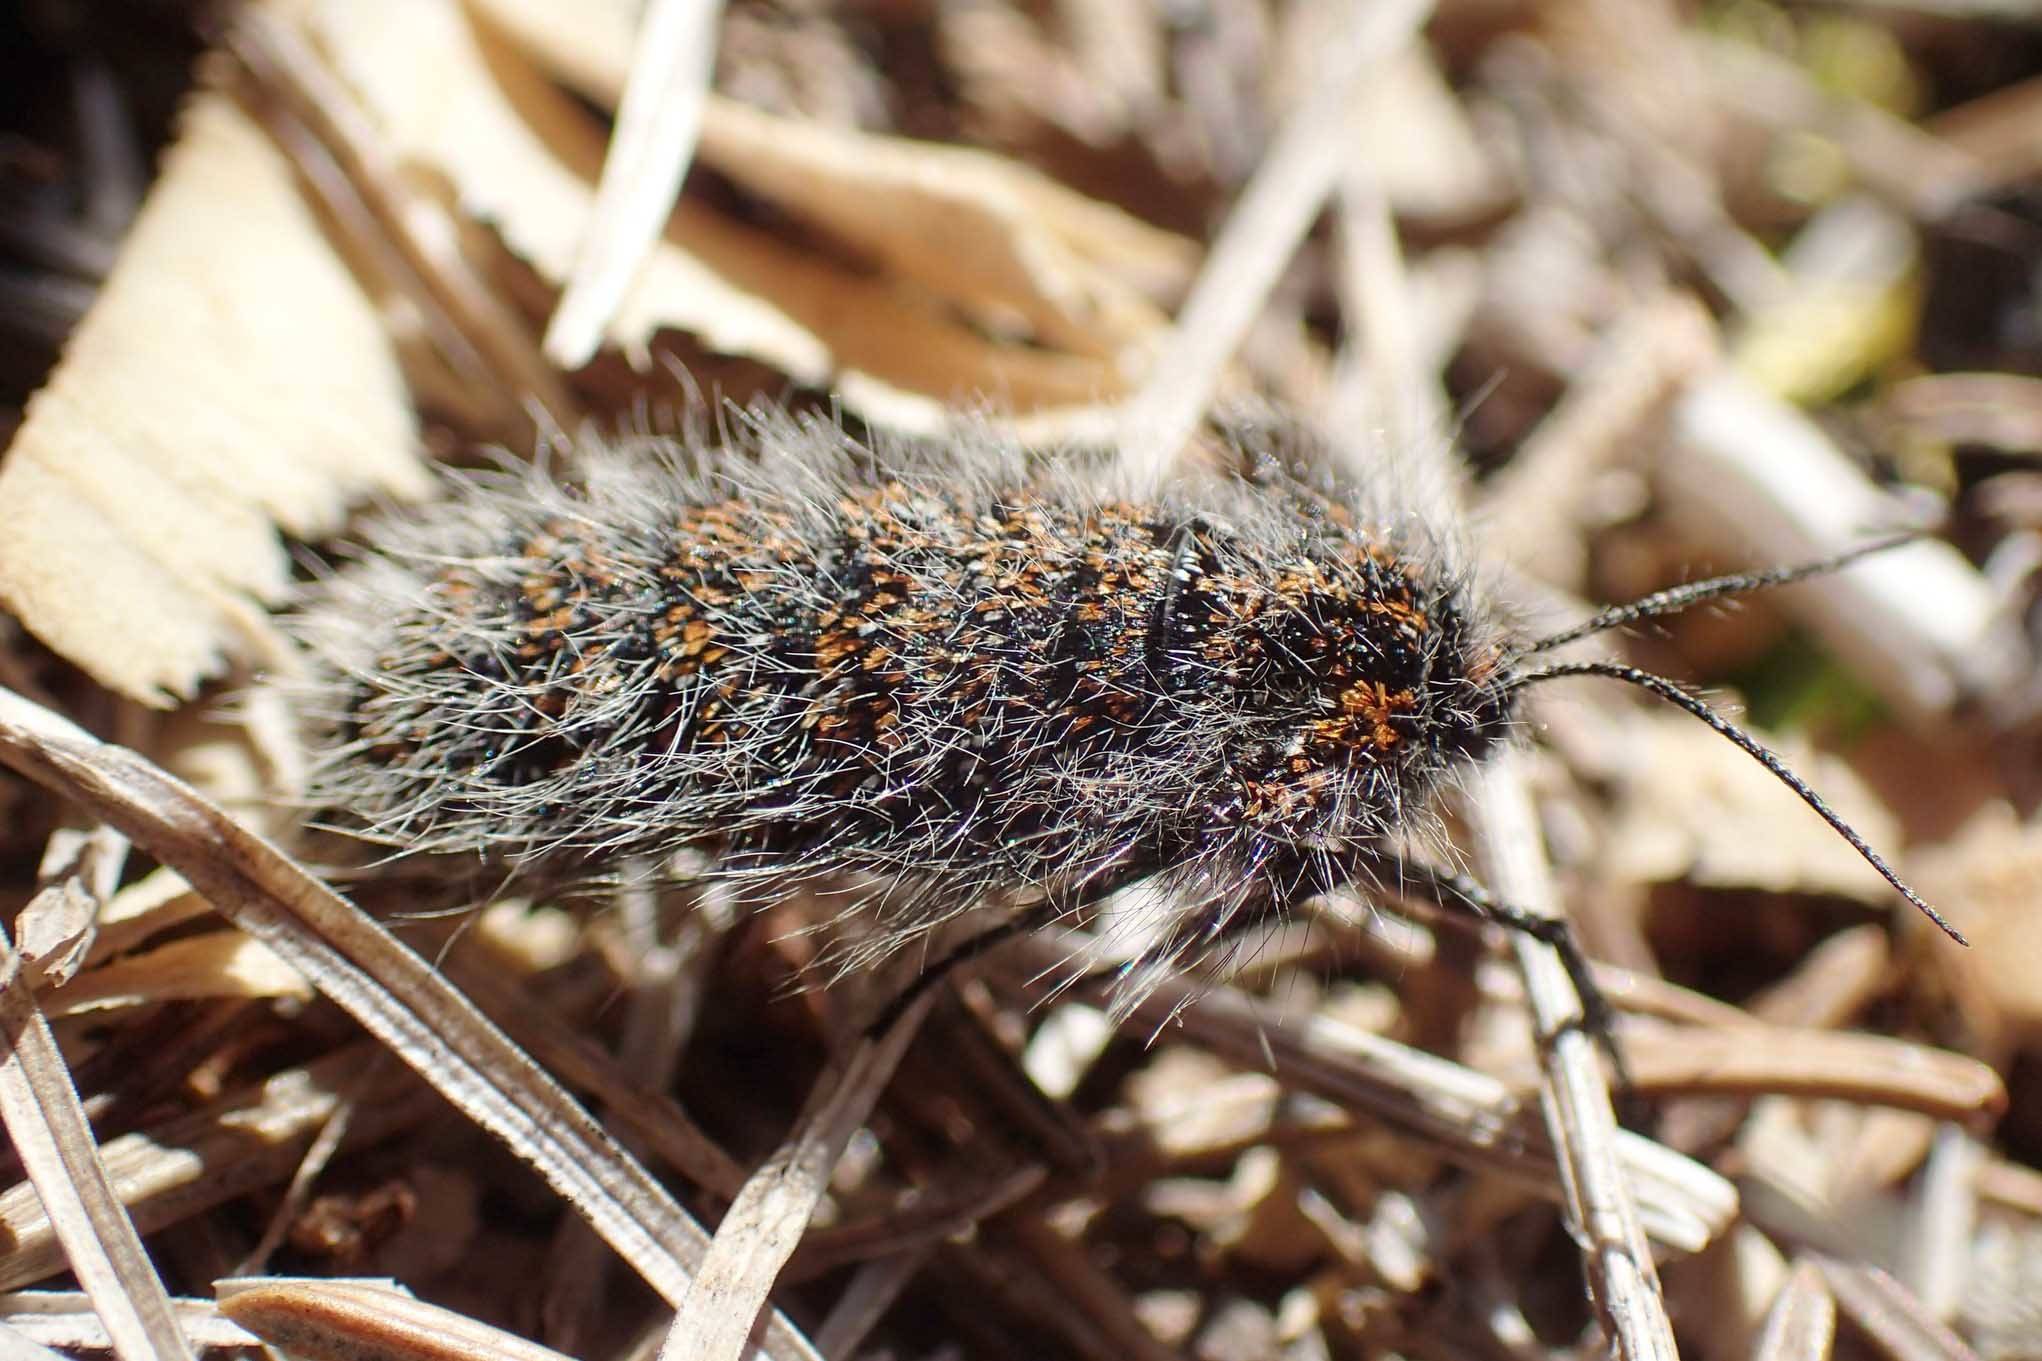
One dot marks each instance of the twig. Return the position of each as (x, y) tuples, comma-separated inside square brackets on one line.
[(53, 1138), (650, 150), (394, 994), (1600, 1205), (766, 1221), (1259, 238)]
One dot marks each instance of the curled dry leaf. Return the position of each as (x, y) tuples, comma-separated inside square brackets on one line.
[(461, 102), (191, 418), (985, 232)]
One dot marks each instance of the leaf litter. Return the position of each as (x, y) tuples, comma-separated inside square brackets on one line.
[(1706, 258)]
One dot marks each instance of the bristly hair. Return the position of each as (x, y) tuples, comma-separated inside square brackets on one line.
[(947, 673)]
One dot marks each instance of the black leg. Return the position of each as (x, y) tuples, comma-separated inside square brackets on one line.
[(1463, 893), (1045, 913), (965, 951)]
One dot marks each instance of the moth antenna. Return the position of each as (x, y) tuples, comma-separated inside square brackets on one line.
[(1678, 598), (1751, 746)]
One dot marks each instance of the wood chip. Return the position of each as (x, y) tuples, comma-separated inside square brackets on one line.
[(192, 420)]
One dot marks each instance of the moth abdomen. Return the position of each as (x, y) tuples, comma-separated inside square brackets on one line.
[(803, 662)]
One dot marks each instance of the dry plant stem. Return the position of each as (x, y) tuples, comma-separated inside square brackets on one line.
[(765, 1223), (1381, 380), (1814, 1064), (393, 993), (344, 1320), (420, 230), (1601, 1207), (651, 1118), (648, 157), (1918, 623), (1272, 216), (54, 1141)]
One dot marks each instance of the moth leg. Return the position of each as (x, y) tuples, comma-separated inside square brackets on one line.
[(1045, 913), (1465, 894)]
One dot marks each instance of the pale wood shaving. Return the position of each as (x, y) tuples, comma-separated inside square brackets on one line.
[(159, 462), (218, 964)]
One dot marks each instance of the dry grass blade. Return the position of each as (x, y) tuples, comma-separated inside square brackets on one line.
[(1871, 1069), (174, 1170), (54, 1141), (1890, 1315), (64, 1318), (1267, 223), (1801, 1325), (657, 122), (338, 1320), (1601, 1203), (764, 1224), (396, 995)]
